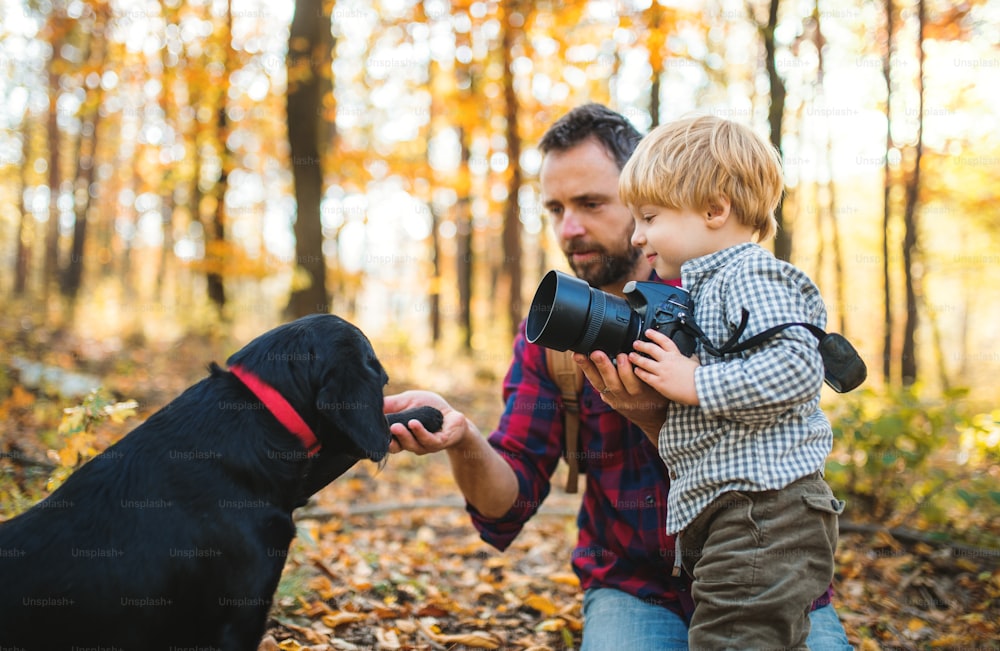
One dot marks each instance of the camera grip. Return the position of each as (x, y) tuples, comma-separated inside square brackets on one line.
[(677, 333), (685, 341)]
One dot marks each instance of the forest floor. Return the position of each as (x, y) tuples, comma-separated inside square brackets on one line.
[(386, 558)]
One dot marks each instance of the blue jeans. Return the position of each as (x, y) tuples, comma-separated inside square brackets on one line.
[(615, 620)]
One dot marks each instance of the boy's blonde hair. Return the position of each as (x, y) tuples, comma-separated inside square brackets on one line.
[(687, 163)]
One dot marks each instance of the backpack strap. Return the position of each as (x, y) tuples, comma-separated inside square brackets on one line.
[(569, 378)]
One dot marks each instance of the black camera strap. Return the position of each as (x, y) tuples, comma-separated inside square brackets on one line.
[(844, 369)]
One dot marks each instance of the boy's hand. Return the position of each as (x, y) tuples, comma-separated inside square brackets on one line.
[(623, 391), (661, 365)]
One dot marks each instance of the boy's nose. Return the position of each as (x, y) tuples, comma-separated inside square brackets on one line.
[(638, 239)]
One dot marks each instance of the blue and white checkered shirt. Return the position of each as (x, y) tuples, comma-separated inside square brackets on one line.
[(759, 426)]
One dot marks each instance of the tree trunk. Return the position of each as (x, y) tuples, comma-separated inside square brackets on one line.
[(215, 227), (168, 106), (887, 197), (215, 232), (654, 100), (435, 294), (167, 245), (310, 48), (511, 264), (464, 270), (50, 267), (775, 118), (839, 282), (26, 224), (463, 237), (466, 82), (72, 275), (658, 43), (436, 253), (911, 228)]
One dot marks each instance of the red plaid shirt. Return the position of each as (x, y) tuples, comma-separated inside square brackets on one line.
[(622, 540)]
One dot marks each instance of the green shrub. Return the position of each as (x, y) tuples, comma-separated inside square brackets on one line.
[(900, 459)]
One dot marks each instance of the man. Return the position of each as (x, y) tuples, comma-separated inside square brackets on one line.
[(623, 557)]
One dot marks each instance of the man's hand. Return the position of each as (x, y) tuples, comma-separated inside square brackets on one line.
[(484, 477), (662, 366), (624, 392), (417, 439)]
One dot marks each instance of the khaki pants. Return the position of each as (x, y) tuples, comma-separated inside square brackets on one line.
[(758, 560)]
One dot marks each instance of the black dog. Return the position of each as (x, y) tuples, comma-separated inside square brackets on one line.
[(176, 536)]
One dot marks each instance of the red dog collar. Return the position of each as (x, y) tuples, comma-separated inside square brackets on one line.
[(279, 408)]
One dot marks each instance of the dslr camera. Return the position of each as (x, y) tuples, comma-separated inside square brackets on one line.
[(568, 314)]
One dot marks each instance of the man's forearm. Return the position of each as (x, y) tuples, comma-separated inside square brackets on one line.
[(485, 479)]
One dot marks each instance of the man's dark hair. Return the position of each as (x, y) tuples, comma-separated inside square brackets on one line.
[(616, 134)]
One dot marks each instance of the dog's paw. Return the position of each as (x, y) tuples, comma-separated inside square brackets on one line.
[(429, 417)]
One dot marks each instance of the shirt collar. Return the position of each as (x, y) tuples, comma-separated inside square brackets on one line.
[(716, 259)]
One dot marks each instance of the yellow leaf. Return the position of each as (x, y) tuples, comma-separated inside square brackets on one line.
[(57, 477), (475, 639), (542, 604), (948, 641), (68, 457), (565, 578), (385, 613), (120, 411), (551, 625), (966, 565), (885, 539), (72, 421), (21, 398), (314, 609), (341, 617), (915, 624)]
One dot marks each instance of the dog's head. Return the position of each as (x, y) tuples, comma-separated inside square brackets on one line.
[(327, 370)]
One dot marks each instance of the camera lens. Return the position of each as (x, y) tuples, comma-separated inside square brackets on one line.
[(568, 314)]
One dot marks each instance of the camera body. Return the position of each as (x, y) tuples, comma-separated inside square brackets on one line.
[(568, 314), (672, 308)]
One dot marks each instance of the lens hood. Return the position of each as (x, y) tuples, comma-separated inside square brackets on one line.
[(568, 314)]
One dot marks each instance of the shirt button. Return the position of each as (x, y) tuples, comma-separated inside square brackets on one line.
[(673, 474), (650, 500)]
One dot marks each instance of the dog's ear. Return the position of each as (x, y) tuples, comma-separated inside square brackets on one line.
[(354, 409), (350, 399)]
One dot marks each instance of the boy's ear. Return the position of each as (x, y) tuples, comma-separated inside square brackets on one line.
[(717, 212)]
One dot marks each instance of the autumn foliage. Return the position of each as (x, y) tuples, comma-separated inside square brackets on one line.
[(177, 177)]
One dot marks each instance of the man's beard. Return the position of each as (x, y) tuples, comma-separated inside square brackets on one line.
[(608, 269)]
